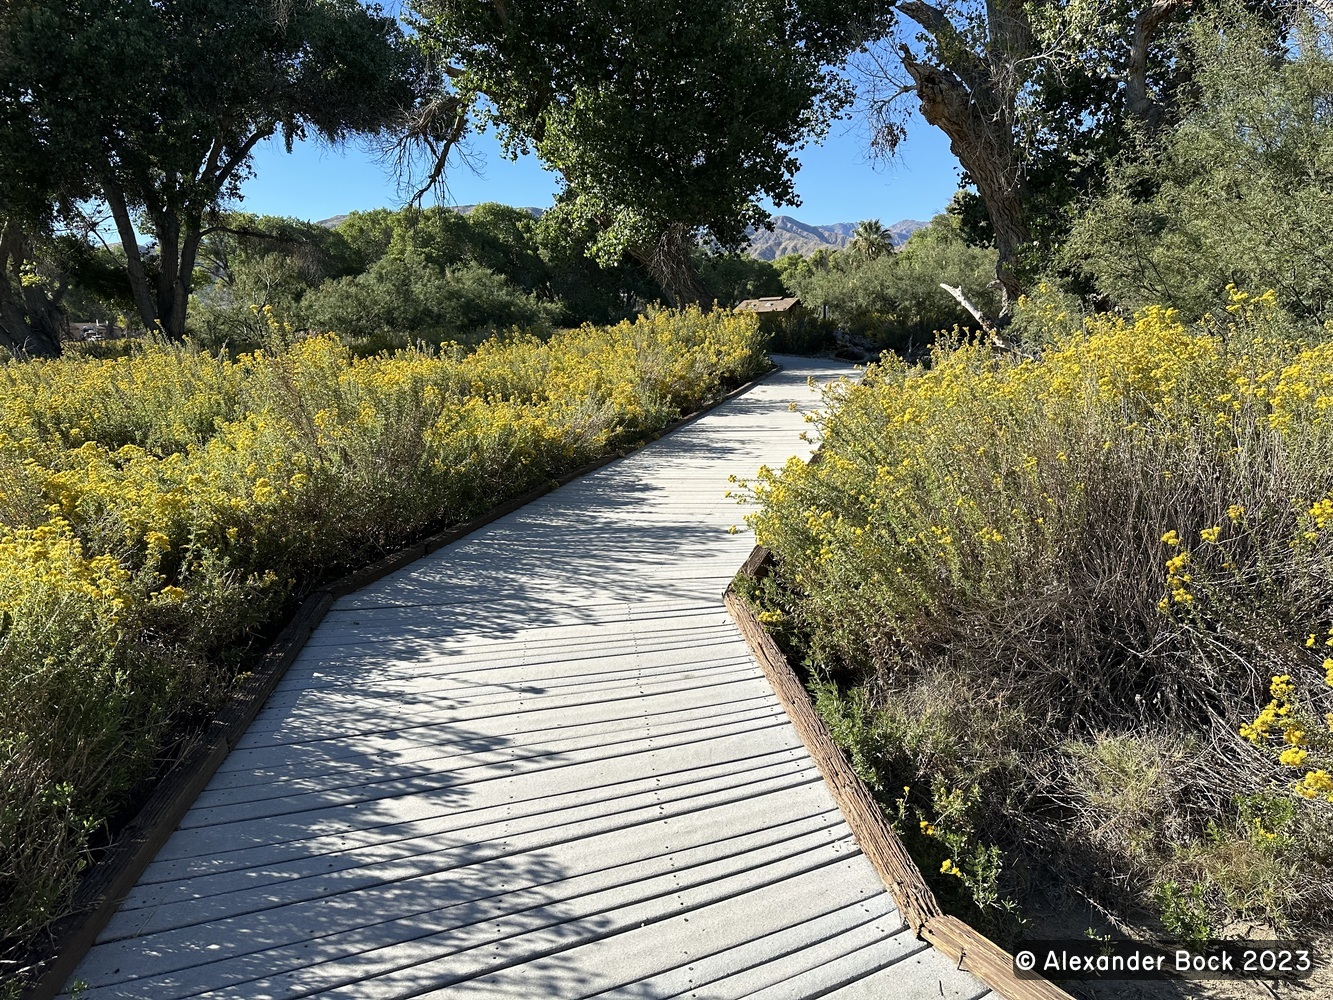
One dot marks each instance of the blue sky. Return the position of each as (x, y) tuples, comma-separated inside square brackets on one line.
[(837, 181)]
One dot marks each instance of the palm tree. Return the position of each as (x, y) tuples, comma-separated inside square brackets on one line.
[(870, 239)]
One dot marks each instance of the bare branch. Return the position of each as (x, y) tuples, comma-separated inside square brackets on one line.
[(432, 132), (240, 156), (967, 304), (946, 35), (929, 17)]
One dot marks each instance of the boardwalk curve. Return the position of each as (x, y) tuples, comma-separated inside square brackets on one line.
[(538, 763)]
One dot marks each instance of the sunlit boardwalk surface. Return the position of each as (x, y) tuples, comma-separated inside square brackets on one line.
[(539, 763)]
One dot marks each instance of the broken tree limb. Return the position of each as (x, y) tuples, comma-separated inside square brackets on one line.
[(966, 303), (987, 326)]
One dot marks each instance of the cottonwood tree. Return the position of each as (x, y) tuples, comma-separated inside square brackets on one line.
[(156, 107), (1032, 95), (668, 122)]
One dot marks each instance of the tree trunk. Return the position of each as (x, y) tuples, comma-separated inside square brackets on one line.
[(982, 139), (46, 322), (31, 321), (162, 304), (670, 262), (129, 242), (18, 334), (184, 285), (1138, 102), (168, 260), (178, 244)]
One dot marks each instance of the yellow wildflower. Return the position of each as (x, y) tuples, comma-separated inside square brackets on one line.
[(1293, 756), (1314, 784)]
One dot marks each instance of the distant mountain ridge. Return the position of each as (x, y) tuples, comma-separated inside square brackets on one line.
[(788, 235), (794, 236)]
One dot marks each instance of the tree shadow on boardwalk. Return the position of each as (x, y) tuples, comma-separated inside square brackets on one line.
[(614, 538), (447, 792), (401, 896), (307, 891)]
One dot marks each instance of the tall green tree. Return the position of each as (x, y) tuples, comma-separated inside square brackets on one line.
[(1239, 190), (156, 107), (668, 122), (1034, 95), (871, 240), (38, 183)]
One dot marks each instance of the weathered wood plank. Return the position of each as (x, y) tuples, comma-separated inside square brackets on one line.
[(973, 952), (552, 769), (422, 697), (342, 926), (310, 774), (687, 787), (749, 916), (881, 845), (303, 729), (808, 959), (663, 906), (444, 853)]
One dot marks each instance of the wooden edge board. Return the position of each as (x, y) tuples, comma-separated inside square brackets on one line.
[(755, 566), (877, 841), (916, 902), (101, 891), (986, 960)]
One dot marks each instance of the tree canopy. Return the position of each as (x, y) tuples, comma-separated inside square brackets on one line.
[(1034, 96), (871, 239), (668, 122), (155, 108), (1238, 191)]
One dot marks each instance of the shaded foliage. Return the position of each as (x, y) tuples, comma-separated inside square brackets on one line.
[(1239, 191), (666, 122), (156, 108)]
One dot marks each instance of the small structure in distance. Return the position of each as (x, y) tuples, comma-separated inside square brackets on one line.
[(779, 317), (772, 304), (775, 312)]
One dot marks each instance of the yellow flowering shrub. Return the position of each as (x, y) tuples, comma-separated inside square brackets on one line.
[(158, 511), (1118, 537)]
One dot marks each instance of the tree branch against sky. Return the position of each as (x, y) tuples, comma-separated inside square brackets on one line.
[(1031, 94)]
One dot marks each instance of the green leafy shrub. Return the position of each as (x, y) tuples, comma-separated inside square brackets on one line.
[(1072, 581), (896, 299), (404, 299)]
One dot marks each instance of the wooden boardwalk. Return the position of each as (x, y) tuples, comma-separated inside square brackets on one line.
[(539, 763)]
